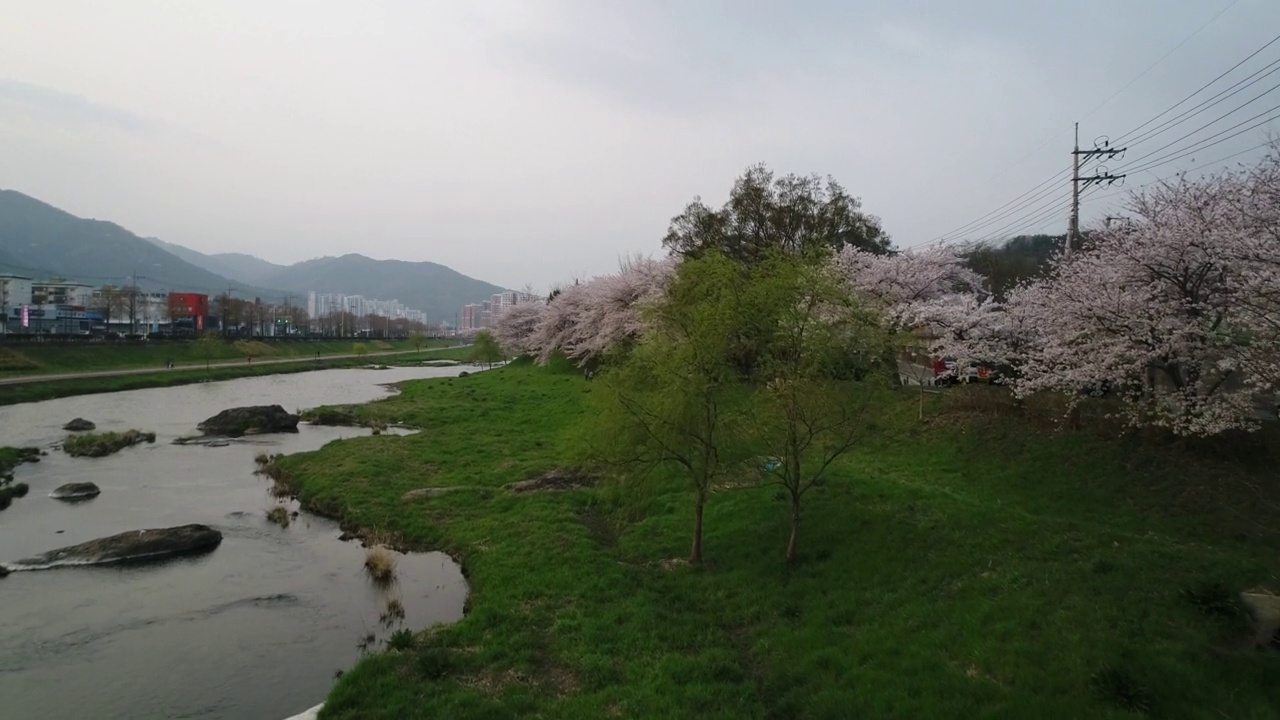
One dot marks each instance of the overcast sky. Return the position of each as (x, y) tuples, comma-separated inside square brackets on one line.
[(524, 141)]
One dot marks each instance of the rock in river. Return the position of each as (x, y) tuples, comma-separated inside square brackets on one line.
[(249, 421), (132, 546), (79, 425), (75, 491)]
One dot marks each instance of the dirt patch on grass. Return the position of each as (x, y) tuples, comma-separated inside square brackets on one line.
[(558, 479), (554, 680), (12, 360), (431, 492)]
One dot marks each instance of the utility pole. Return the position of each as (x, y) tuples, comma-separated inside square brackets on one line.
[(1103, 149)]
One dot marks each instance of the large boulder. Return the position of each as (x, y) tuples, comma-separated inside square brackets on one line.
[(75, 491), (250, 420), (79, 425), (132, 546)]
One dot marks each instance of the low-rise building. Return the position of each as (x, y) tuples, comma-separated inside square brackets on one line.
[(15, 292)]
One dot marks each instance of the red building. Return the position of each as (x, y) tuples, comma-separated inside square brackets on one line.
[(188, 305), (188, 310)]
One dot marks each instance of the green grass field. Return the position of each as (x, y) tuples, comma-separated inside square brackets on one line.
[(968, 566), (54, 358)]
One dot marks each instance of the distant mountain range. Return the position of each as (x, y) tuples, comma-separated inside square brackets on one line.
[(39, 240)]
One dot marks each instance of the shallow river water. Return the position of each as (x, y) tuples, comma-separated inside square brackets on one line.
[(256, 629)]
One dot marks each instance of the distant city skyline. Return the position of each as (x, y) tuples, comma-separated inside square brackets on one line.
[(321, 304), (478, 316)]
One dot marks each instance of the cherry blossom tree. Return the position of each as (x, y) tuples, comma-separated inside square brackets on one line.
[(911, 276), (611, 314), (516, 326), (970, 327), (915, 290), (1176, 308), (560, 322), (587, 319)]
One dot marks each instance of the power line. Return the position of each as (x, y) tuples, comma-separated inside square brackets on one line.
[(1215, 121), (1053, 204), (1126, 86), (1202, 88), (1188, 114), (1232, 156), (1200, 145), (1005, 210), (1164, 57)]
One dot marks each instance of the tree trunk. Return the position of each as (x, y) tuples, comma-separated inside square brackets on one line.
[(1073, 418), (795, 530), (695, 553)]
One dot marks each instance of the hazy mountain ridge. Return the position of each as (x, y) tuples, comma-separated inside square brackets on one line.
[(431, 287), (247, 269), (40, 240), (436, 289)]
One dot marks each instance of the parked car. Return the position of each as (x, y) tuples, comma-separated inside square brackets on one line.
[(950, 371)]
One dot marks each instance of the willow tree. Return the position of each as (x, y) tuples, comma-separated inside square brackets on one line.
[(820, 376), (669, 401)]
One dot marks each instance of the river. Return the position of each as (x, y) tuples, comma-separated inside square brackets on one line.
[(254, 630)]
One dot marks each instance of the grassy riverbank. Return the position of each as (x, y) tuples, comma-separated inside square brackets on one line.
[(11, 458), (48, 390), (104, 443), (969, 566), (56, 358)]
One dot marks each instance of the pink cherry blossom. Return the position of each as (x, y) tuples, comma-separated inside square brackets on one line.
[(1175, 309), (516, 326), (589, 318), (907, 277)]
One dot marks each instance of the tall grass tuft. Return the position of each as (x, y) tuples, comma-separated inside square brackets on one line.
[(279, 515), (380, 564)]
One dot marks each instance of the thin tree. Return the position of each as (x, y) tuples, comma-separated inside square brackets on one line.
[(485, 349), (418, 339), (820, 374), (667, 402), (207, 346)]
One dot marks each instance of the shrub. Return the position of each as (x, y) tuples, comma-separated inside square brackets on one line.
[(434, 663), (1214, 598), (402, 639), (1118, 687), (330, 416)]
